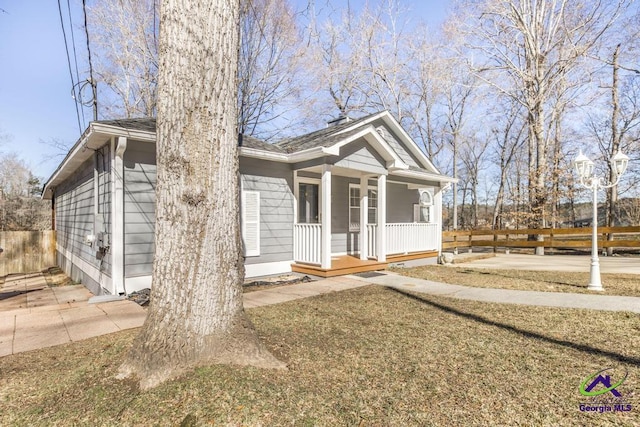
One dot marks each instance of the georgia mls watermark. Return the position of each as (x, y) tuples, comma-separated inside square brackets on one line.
[(603, 393)]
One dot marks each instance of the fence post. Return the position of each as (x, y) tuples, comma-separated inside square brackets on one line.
[(470, 241), (455, 243), (506, 248)]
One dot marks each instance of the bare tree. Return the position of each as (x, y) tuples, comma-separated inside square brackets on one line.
[(196, 315), (270, 69), (124, 39), (20, 204), (383, 38), (429, 75), (335, 49), (508, 136), (526, 48), (472, 157)]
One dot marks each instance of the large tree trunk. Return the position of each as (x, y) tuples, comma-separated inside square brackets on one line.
[(196, 315)]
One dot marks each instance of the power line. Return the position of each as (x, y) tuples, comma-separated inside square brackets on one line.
[(75, 60), (66, 47), (94, 90)]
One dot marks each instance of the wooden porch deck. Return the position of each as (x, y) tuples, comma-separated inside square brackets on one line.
[(347, 264)]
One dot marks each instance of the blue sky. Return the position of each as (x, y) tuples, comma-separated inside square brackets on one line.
[(35, 86)]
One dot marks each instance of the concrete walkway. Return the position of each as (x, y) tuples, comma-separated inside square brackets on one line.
[(33, 315), (610, 264), (507, 296)]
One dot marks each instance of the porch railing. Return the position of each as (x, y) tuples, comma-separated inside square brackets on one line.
[(404, 238), (307, 239)]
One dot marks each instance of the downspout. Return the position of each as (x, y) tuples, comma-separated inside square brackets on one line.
[(118, 148)]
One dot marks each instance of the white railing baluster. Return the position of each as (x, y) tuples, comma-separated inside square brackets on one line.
[(306, 243), (403, 238)]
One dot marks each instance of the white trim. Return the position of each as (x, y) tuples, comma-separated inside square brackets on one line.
[(263, 155), (102, 278), (437, 217), (111, 130), (423, 176), (137, 283), (359, 187), (267, 268), (297, 180), (325, 253), (295, 197), (364, 215), (117, 214), (381, 238)]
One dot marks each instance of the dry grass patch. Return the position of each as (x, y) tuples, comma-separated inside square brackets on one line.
[(368, 356), (546, 281)]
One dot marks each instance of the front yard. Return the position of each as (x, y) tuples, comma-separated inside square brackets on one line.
[(546, 281), (369, 356)]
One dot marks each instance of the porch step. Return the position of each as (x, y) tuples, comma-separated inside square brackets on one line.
[(340, 266), (411, 256)]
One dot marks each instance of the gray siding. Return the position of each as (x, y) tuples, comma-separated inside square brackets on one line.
[(75, 218), (400, 201), (274, 181), (139, 208), (395, 143), (360, 156)]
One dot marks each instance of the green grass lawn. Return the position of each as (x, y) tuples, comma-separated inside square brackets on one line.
[(366, 357), (546, 281)]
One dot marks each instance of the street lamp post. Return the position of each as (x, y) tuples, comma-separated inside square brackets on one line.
[(584, 168)]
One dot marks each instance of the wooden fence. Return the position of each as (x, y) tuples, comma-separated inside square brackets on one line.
[(561, 238), (27, 251)]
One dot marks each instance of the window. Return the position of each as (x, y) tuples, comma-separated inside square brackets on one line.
[(422, 210), (308, 203), (354, 207)]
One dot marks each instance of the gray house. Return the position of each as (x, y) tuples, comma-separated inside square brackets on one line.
[(351, 197)]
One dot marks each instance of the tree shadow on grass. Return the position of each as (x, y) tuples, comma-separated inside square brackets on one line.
[(529, 334)]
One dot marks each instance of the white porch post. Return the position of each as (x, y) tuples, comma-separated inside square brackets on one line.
[(437, 216), (117, 214), (382, 218), (364, 217), (325, 256)]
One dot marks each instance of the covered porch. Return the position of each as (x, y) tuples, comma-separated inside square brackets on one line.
[(351, 221)]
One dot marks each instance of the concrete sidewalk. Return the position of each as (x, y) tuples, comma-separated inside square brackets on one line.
[(610, 264), (507, 296)]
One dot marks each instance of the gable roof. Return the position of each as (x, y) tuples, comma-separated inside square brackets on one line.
[(326, 137), (93, 138), (145, 124), (313, 145), (257, 144)]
